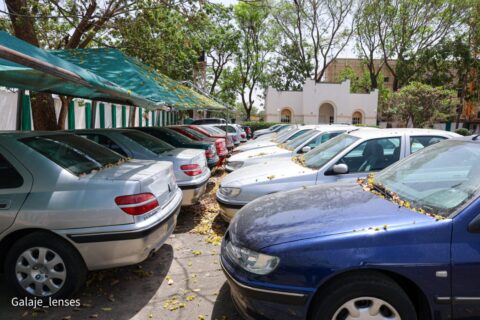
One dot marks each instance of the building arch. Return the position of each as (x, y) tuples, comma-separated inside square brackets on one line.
[(286, 115), (326, 113), (358, 117)]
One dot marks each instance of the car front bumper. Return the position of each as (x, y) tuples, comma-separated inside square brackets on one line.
[(101, 250), (259, 303), (228, 210)]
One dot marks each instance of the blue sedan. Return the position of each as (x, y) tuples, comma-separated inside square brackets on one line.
[(404, 244)]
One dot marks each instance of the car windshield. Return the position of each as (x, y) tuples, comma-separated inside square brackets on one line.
[(295, 143), (194, 133), (281, 137), (439, 179), (319, 156), (149, 142), (78, 155), (213, 130), (229, 129)]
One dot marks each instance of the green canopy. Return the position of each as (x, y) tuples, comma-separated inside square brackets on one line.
[(139, 78), (30, 68)]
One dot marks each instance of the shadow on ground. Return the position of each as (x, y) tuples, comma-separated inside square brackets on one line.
[(118, 293), (224, 307)]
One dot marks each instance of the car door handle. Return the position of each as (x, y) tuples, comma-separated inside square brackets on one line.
[(5, 205)]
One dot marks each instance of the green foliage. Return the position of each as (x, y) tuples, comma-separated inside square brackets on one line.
[(422, 104), (463, 132), (163, 37), (258, 125)]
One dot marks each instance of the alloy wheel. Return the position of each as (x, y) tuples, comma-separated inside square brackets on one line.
[(366, 308), (40, 271)]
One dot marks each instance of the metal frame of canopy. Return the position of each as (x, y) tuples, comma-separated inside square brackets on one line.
[(37, 64)]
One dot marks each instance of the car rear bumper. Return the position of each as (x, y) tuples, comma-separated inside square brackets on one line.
[(256, 303), (121, 248), (192, 193)]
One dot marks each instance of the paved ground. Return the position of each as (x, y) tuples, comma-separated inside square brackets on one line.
[(182, 281)]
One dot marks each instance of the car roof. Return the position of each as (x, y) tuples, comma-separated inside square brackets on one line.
[(100, 130), (28, 134), (391, 132)]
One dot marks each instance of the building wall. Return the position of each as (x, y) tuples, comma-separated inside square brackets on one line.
[(306, 105), (337, 66)]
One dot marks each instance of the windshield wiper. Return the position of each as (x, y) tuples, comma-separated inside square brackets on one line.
[(379, 188)]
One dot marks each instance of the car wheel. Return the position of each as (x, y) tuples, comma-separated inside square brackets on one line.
[(371, 296), (42, 265)]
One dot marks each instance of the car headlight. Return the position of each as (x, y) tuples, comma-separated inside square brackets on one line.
[(235, 164), (251, 261), (230, 192)]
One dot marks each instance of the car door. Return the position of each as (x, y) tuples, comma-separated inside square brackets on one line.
[(15, 185), (465, 244), (370, 156)]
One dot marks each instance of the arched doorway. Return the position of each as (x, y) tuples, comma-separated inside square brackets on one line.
[(286, 116), (326, 114), (357, 117)]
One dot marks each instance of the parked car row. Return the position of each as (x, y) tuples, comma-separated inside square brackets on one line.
[(367, 224), (91, 199)]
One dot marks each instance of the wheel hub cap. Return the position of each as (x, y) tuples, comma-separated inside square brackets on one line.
[(366, 308), (40, 271)]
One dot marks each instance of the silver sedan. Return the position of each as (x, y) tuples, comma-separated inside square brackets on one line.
[(68, 205), (343, 158), (189, 165)]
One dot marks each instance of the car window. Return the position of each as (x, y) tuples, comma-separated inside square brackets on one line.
[(73, 153), (322, 138), (420, 142), (10, 176), (321, 155), (148, 142), (295, 143), (104, 141), (372, 155)]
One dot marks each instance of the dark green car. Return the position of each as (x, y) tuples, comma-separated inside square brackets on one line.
[(180, 141)]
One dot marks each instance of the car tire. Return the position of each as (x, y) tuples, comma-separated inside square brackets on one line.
[(61, 275), (361, 294)]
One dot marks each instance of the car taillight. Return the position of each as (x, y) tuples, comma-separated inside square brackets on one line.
[(191, 169), (243, 135), (137, 204)]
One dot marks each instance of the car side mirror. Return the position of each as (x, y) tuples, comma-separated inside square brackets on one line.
[(306, 149), (341, 168)]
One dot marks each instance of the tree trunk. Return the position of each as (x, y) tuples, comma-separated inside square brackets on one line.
[(62, 117), (43, 109), (43, 112), (248, 112)]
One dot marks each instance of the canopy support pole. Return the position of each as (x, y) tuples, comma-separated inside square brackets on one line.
[(20, 94), (93, 115)]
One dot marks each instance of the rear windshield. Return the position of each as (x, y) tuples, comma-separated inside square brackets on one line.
[(168, 135), (149, 142), (194, 133), (227, 128), (213, 130), (75, 154)]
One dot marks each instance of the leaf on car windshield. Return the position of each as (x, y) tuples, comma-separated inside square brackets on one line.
[(369, 185), (299, 160)]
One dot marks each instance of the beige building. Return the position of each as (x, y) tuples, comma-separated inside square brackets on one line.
[(335, 69), (321, 103)]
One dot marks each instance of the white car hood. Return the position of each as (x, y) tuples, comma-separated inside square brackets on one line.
[(265, 173), (255, 145), (260, 153)]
